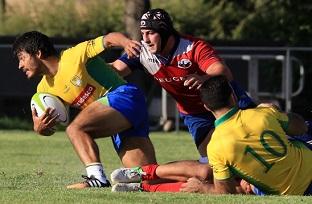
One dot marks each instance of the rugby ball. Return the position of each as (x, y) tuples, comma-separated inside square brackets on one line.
[(41, 101)]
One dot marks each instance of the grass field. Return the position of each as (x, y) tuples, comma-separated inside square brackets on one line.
[(36, 169)]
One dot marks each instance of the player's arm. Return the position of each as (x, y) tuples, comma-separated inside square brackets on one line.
[(217, 68), (226, 186), (296, 125), (131, 47), (121, 68), (115, 39)]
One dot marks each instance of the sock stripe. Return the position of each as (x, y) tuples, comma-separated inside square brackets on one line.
[(94, 164)]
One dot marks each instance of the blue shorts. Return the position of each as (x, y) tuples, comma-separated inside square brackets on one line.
[(129, 100), (308, 192), (257, 191), (198, 125)]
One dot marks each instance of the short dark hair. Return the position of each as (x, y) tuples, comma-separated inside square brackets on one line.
[(32, 42), (216, 92)]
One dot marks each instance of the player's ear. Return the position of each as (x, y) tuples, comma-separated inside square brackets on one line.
[(39, 54), (206, 107)]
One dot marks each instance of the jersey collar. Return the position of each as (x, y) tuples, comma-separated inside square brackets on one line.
[(226, 116), (167, 60)]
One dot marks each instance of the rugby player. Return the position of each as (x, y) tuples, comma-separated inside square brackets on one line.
[(252, 145), (109, 105), (179, 64)]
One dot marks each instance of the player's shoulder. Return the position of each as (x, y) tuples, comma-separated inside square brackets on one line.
[(197, 41), (191, 38), (267, 110)]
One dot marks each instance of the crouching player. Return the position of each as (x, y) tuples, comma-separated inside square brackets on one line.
[(251, 145)]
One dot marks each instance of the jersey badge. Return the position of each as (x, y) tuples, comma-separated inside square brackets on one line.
[(184, 63), (76, 81)]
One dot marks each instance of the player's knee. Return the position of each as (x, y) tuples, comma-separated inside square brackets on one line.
[(72, 129), (137, 151)]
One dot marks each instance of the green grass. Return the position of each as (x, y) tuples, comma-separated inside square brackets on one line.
[(10, 123), (36, 169)]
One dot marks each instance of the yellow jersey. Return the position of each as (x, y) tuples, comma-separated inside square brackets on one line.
[(81, 77), (252, 144)]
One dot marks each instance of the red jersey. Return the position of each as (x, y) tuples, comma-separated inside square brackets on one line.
[(190, 56)]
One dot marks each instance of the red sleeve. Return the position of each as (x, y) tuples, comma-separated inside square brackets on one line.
[(205, 55)]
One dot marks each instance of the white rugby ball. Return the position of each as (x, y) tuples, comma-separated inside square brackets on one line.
[(41, 101)]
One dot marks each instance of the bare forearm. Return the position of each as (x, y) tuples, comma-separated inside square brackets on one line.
[(194, 185), (218, 68), (115, 39)]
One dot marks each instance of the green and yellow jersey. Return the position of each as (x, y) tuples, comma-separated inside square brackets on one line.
[(81, 77), (253, 145)]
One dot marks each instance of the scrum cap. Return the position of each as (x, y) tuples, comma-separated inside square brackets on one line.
[(159, 21)]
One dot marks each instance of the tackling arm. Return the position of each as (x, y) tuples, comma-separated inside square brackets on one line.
[(218, 68), (194, 185), (115, 39)]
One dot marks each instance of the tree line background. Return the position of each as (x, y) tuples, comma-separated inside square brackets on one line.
[(286, 21), (220, 22)]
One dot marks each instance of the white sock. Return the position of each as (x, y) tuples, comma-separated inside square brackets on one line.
[(97, 170)]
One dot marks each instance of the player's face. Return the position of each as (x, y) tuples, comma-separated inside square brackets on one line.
[(246, 187), (152, 39), (29, 64)]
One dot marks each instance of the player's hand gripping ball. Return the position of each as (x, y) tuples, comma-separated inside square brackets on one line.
[(41, 101)]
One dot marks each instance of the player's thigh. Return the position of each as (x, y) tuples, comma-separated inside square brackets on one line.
[(137, 151), (100, 120)]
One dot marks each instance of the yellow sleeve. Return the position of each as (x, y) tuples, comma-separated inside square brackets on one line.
[(281, 117), (94, 47), (87, 49), (220, 169)]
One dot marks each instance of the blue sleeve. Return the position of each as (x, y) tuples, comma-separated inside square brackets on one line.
[(257, 191), (133, 63), (244, 101)]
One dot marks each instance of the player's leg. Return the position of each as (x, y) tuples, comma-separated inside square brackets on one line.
[(137, 151), (162, 187), (201, 127), (133, 145), (182, 170), (173, 173), (164, 178), (113, 115), (97, 120)]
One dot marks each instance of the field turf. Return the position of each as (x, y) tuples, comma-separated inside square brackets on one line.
[(35, 169)]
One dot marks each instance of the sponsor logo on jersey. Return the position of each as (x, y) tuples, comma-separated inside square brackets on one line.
[(170, 79), (184, 63), (83, 96), (76, 81)]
